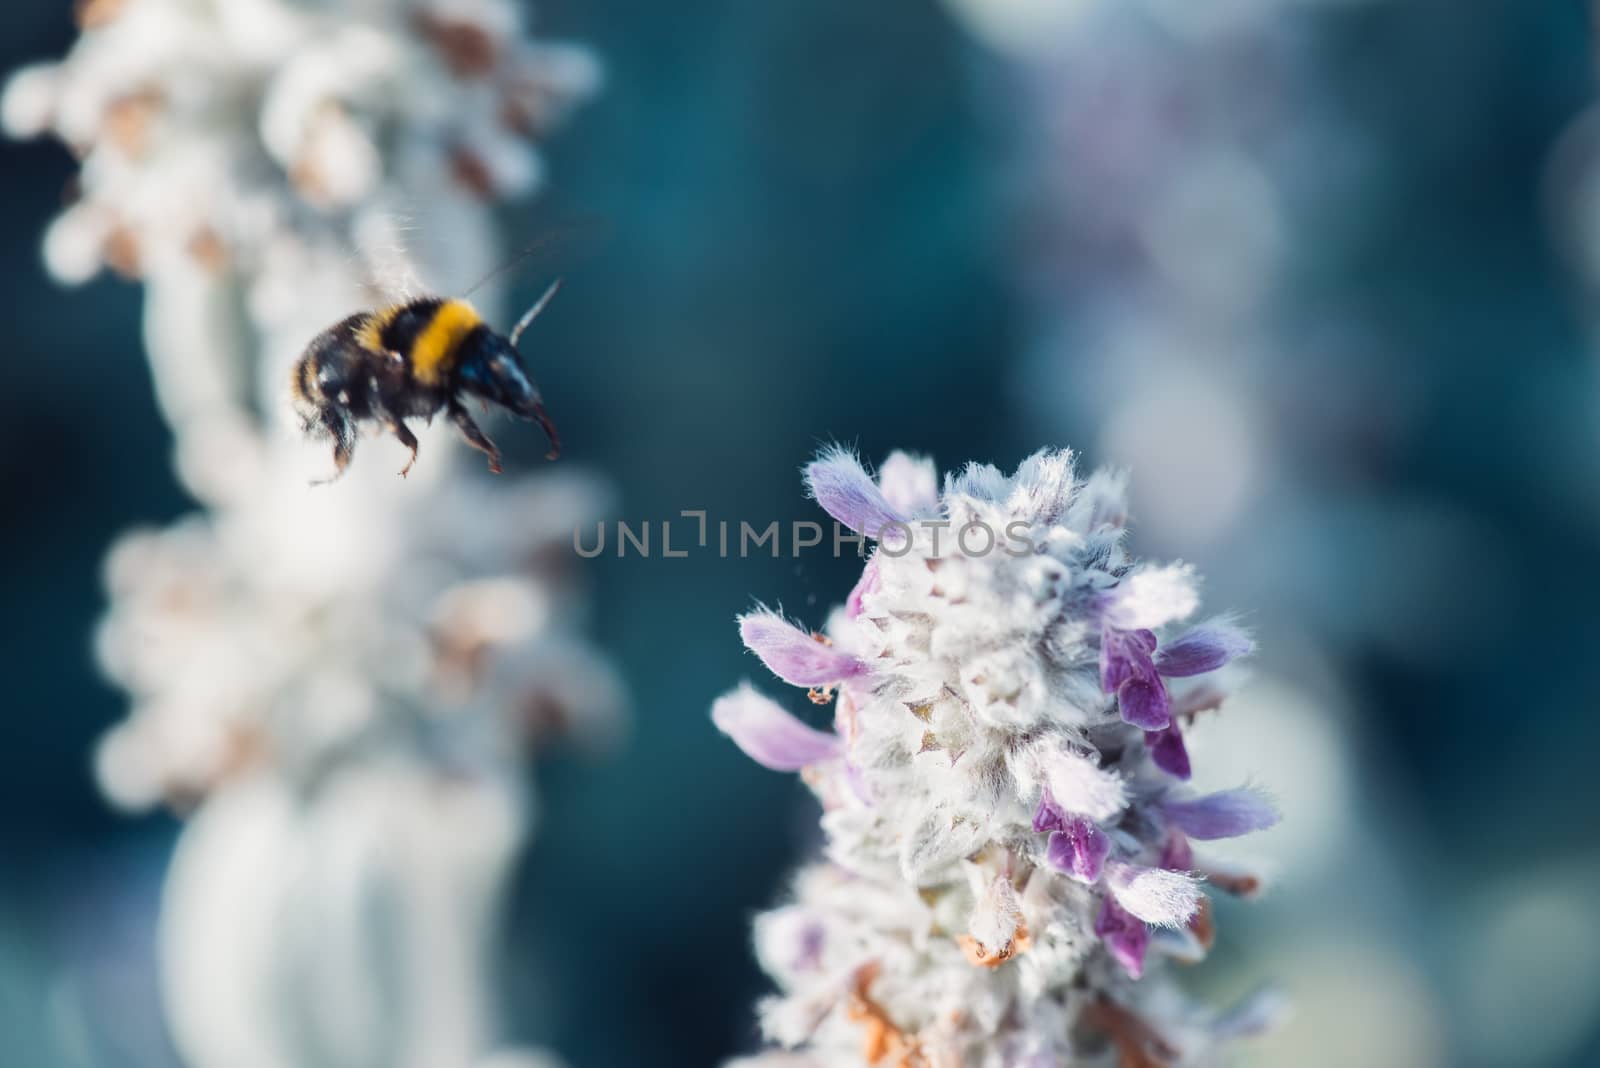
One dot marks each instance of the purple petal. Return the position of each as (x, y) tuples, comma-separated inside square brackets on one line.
[(1049, 817), (1080, 850), (1167, 750), (792, 654), (1125, 655), (1144, 704), (811, 938), (910, 484), (1222, 815), (1125, 937), (1205, 648), (868, 583), (1177, 854), (844, 489), (769, 735), (794, 937)]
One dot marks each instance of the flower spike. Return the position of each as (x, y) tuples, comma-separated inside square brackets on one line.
[(1003, 780)]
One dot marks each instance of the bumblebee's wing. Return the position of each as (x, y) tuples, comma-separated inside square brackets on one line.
[(559, 246), (383, 260), (390, 250)]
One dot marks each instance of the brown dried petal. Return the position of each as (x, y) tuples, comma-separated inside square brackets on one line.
[(472, 172), (93, 14), (468, 50), (208, 250), (127, 121), (1138, 1044), (981, 956), (122, 254), (881, 1041)]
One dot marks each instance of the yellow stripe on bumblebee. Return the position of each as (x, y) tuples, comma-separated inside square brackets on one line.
[(370, 334), (433, 352)]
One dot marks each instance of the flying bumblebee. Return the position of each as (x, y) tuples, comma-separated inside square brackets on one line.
[(412, 360)]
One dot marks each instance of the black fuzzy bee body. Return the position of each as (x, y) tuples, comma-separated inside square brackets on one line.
[(412, 361)]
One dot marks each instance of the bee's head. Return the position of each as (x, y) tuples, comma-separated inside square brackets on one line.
[(492, 369)]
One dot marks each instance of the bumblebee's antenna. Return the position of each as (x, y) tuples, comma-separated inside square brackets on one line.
[(527, 252), (584, 233), (533, 313)]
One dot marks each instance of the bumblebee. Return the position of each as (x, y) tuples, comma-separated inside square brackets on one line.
[(411, 361)]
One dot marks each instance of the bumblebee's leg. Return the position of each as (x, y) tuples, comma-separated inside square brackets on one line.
[(474, 435), (408, 439), (395, 425), (339, 427)]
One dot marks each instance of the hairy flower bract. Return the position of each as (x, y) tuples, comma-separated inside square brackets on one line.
[(1007, 822)]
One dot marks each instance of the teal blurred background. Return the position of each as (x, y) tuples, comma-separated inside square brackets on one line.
[(823, 228)]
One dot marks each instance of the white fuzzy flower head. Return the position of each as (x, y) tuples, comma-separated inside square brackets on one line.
[(209, 127), (1008, 830), (250, 638), (347, 700)]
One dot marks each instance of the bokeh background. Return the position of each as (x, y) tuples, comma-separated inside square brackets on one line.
[(1317, 272)]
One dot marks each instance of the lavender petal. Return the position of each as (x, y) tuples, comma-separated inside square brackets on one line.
[(868, 583), (1048, 817), (1125, 655), (1205, 648), (1145, 703), (910, 484), (792, 654), (1176, 854), (846, 492), (768, 734), (1080, 849), (1168, 752), (1125, 937), (1227, 814)]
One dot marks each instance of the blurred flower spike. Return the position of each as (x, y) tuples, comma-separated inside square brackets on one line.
[(1008, 833), (343, 687), (206, 126)]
